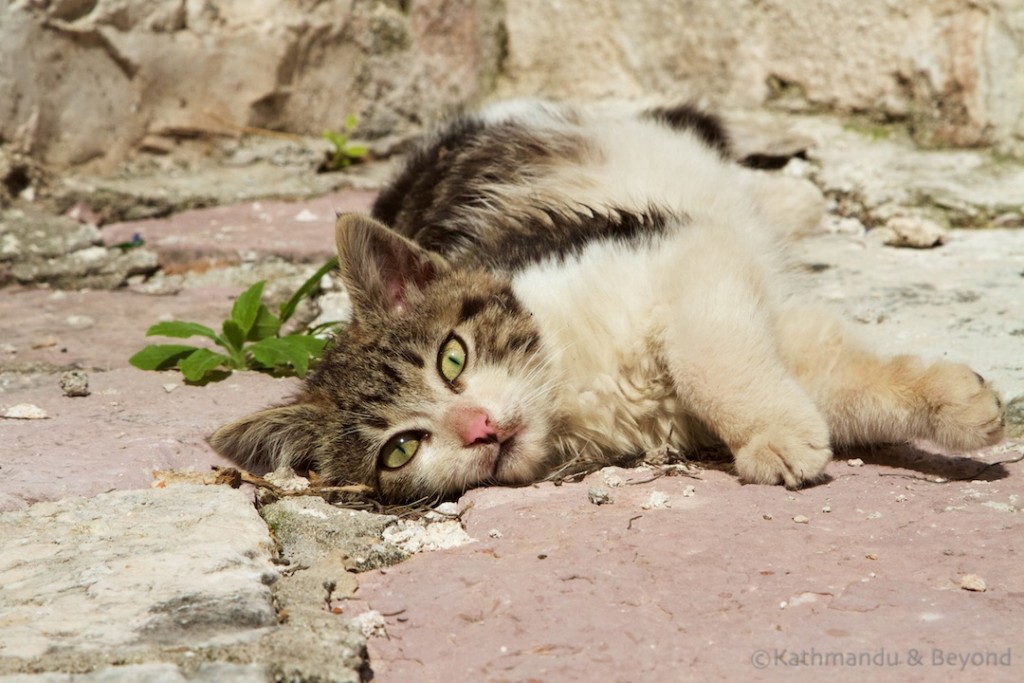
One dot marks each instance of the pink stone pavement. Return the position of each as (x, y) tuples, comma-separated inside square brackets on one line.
[(731, 583), (852, 579)]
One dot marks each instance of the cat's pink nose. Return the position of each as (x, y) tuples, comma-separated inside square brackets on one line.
[(474, 427)]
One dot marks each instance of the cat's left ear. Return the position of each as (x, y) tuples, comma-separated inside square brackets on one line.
[(381, 269)]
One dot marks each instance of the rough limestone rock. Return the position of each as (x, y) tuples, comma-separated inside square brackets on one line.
[(151, 69), (83, 81), (875, 175), (952, 69), (219, 672), (308, 527), (36, 247), (181, 566)]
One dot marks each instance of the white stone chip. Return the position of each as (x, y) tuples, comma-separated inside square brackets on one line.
[(973, 582), (416, 536), (371, 624), (25, 411), (657, 501)]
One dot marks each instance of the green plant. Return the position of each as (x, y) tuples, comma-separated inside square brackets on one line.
[(344, 153), (251, 339)]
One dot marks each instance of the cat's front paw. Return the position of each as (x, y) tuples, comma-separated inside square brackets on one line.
[(963, 412), (778, 456)]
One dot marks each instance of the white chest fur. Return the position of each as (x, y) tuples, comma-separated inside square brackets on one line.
[(600, 317)]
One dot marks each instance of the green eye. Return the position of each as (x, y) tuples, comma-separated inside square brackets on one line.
[(452, 359), (400, 449)]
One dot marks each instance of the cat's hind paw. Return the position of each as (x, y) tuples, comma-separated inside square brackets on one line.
[(781, 457), (963, 412)]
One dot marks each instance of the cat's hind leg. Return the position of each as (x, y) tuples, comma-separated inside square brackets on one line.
[(867, 398)]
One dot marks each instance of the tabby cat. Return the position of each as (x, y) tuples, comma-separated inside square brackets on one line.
[(544, 286)]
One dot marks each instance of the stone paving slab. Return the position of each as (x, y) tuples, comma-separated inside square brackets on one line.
[(181, 583), (115, 438), (962, 301), (153, 673), (172, 568), (629, 592), (724, 582), (95, 330), (296, 231)]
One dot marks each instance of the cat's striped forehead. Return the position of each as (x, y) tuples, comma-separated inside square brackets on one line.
[(382, 366)]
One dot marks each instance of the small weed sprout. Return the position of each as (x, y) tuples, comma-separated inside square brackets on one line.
[(250, 339), (344, 153)]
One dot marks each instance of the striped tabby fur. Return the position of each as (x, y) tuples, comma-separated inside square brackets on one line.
[(545, 287)]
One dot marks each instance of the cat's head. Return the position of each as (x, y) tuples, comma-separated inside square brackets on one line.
[(439, 383)]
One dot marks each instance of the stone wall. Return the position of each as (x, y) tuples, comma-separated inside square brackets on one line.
[(85, 80), (952, 69), (90, 79)]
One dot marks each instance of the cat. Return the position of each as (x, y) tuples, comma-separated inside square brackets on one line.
[(546, 287)]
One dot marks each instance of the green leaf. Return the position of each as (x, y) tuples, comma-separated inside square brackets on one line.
[(356, 151), (247, 307), (312, 345), (199, 363), (351, 121), (233, 335), (335, 138), (160, 356), (181, 330), (283, 351), (289, 307), (325, 328), (267, 325)]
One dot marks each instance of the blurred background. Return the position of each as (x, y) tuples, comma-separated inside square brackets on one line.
[(97, 81)]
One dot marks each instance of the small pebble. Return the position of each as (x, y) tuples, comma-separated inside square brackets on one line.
[(826, 508), (171, 386), (599, 496), (973, 582), (611, 478), (657, 501), (801, 519), (915, 232), (448, 509), (79, 322), (902, 498), (689, 491), (494, 533), (855, 462), (767, 516), (44, 343), (74, 383), (371, 624), (25, 411)]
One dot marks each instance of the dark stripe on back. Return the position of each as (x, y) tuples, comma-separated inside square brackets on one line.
[(415, 189), (706, 126), (569, 235)]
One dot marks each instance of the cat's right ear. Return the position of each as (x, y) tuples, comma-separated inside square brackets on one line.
[(380, 267), (268, 439)]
